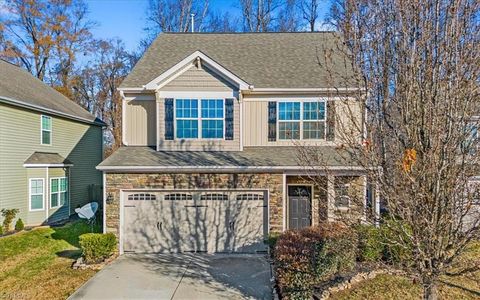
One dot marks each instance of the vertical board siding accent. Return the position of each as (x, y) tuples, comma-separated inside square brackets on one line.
[(330, 121), (169, 127), (140, 123), (272, 121), (229, 119)]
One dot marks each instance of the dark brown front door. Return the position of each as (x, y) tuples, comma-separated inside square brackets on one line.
[(299, 206)]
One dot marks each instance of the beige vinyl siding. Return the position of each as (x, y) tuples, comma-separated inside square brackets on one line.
[(198, 79), (255, 122), (20, 136), (198, 144), (140, 121)]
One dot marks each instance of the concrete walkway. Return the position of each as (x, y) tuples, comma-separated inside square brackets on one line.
[(181, 276)]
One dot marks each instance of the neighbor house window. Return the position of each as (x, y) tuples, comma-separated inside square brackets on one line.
[(58, 191), (301, 120), (46, 130), (199, 119), (36, 193)]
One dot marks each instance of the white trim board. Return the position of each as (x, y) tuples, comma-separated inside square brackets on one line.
[(196, 95), (47, 165), (222, 168)]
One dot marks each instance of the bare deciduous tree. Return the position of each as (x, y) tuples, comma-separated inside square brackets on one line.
[(45, 35), (258, 15), (96, 86), (418, 67), (288, 17), (221, 22), (309, 10)]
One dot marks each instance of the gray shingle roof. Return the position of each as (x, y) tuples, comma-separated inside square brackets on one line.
[(265, 60), (136, 157), (18, 87), (40, 158)]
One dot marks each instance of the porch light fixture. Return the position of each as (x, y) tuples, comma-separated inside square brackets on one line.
[(110, 198)]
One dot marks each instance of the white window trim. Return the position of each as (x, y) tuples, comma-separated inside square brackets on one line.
[(348, 206), (30, 194), (58, 192), (48, 130), (301, 121), (199, 119)]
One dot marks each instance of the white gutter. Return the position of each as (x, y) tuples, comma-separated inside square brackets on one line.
[(47, 165), (48, 110), (223, 168), (299, 90)]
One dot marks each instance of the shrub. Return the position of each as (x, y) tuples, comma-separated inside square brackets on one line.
[(370, 243), (8, 216), (396, 250), (1, 230), (19, 226), (306, 257), (271, 241), (97, 246)]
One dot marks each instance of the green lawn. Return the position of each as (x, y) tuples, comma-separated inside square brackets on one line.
[(395, 287), (37, 264)]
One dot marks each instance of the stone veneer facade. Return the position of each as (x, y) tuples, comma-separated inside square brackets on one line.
[(115, 182), (273, 182)]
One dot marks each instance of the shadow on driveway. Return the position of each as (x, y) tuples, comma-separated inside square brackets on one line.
[(181, 276)]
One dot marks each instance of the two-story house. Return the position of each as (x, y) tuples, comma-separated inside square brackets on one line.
[(211, 128), (49, 148)]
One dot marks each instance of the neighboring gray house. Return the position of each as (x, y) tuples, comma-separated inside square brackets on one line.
[(49, 147), (210, 128)]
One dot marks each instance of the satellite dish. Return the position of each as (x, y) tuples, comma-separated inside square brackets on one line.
[(88, 212)]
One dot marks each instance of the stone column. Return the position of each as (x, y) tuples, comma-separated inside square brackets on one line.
[(330, 197)]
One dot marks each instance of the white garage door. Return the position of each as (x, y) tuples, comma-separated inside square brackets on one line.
[(206, 221)]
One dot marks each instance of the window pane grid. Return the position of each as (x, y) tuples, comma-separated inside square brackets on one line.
[(58, 191), (36, 194), (46, 129), (301, 120), (208, 124)]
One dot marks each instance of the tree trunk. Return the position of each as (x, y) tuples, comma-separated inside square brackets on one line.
[(430, 290)]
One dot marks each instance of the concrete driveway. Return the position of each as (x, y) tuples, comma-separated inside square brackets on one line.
[(181, 276)]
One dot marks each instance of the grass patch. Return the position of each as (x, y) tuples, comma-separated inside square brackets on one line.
[(465, 286), (36, 264)]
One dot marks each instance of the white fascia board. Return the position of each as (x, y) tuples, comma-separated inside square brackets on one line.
[(299, 90), (188, 95), (224, 168), (47, 165), (186, 63)]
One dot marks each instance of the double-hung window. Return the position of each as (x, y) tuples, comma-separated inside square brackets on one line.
[(186, 111), (313, 120), (46, 123), (301, 120), (36, 191), (289, 120), (212, 118), (202, 118), (58, 192)]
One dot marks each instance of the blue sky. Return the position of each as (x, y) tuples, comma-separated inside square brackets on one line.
[(126, 18)]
